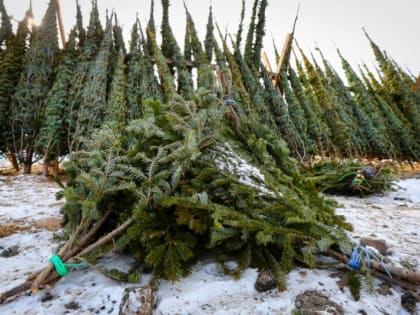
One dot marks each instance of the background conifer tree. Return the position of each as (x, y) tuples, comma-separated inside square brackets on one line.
[(51, 141), (249, 43), (259, 35), (208, 41), (324, 143), (172, 52), (134, 73), (116, 110), (399, 93), (87, 50), (238, 41), (10, 70), (6, 31), (36, 79), (340, 134), (94, 95), (378, 137), (402, 137)]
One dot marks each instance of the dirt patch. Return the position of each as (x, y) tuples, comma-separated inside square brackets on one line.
[(9, 229), (50, 224), (312, 302), (407, 170)]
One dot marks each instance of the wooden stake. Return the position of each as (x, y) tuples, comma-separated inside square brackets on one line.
[(60, 23), (286, 46), (416, 85)]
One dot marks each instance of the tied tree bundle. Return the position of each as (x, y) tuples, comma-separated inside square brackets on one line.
[(350, 177), (182, 181)]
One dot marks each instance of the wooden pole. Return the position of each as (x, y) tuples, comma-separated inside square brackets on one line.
[(60, 23), (286, 46), (416, 85)]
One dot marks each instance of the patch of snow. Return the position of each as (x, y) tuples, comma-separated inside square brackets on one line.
[(393, 217), (247, 173)]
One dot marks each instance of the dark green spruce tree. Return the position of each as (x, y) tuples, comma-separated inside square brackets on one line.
[(378, 139), (238, 42), (333, 85), (116, 111), (340, 134), (91, 113), (151, 88), (87, 50), (249, 43), (259, 35), (205, 76), (51, 141), (11, 66), (172, 52), (28, 106), (322, 133), (398, 91), (6, 30), (209, 40), (167, 83), (403, 139), (134, 73)]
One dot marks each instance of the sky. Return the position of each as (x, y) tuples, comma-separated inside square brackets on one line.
[(327, 24)]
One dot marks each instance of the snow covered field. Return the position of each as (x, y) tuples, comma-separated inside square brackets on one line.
[(28, 205)]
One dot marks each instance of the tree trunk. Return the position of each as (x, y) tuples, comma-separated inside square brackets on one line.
[(13, 161), (45, 168), (27, 163), (27, 167)]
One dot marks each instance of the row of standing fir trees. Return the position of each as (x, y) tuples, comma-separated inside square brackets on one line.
[(51, 99)]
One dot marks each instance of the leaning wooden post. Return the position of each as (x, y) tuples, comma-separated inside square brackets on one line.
[(60, 23), (285, 54), (283, 57), (416, 85)]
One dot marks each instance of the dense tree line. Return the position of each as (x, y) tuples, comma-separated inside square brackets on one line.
[(51, 99)]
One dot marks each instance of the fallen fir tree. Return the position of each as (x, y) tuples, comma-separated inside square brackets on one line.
[(346, 177)]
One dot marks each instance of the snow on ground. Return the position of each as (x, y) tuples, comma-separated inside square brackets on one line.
[(26, 200)]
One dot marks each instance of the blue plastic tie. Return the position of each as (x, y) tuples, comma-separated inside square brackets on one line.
[(356, 259), (229, 101)]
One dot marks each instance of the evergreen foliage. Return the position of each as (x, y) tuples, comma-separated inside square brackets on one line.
[(10, 70), (249, 44), (171, 51), (238, 42), (94, 94), (402, 137), (51, 141), (36, 79), (322, 132), (259, 35), (116, 110), (208, 41), (379, 142), (396, 88), (329, 109), (136, 74), (87, 50), (339, 177), (6, 31), (172, 170)]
